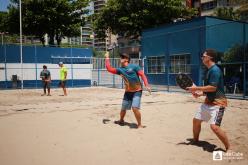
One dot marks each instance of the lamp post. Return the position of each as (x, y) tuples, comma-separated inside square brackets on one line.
[(20, 15)]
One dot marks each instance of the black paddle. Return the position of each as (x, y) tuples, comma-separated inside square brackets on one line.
[(184, 81)]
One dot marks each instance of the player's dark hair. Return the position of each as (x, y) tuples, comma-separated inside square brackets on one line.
[(211, 53), (125, 55), (44, 67)]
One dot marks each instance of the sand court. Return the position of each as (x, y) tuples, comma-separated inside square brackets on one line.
[(80, 129)]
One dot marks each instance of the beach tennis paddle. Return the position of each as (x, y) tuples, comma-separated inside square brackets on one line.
[(184, 81)]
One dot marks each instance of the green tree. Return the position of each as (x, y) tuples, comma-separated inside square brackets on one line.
[(3, 21), (240, 13), (237, 2), (237, 53), (243, 12), (57, 18), (129, 18), (226, 13)]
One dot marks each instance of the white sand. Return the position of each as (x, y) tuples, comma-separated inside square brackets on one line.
[(59, 130)]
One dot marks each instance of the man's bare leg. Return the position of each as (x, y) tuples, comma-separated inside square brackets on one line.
[(64, 89), (122, 115), (44, 91), (137, 115), (221, 135), (196, 129), (121, 121), (49, 94)]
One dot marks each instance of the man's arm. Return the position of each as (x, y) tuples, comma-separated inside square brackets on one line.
[(143, 77), (65, 74), (108, 66), (41, 75), (198, 94), (212, 87), (208, 88), (49, 77)]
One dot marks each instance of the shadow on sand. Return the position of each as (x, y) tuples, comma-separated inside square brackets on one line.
[(130, 125), (206, 146)]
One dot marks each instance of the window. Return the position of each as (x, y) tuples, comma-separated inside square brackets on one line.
[(156, 64), (180, 63), (208, 5)]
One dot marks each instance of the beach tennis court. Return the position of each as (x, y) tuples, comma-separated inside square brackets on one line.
[(80, 129)]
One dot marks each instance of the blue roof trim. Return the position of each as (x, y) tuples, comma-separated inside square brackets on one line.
[(202, 18)]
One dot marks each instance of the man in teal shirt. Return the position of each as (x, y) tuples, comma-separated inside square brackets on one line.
[(213, 108), (133, 87)]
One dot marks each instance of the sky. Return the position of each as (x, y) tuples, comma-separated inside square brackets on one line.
[(3, 5)]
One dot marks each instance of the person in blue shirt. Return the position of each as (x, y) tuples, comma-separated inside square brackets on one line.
[(133, 87), (212, 110)]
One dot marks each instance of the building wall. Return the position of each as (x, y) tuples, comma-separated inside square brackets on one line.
[(230, 36), (190, 37), (223, 34), (76, 60), (174, 39), (207, 7)]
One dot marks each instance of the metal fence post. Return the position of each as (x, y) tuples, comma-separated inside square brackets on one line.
[(168, 78), (5, 66), (168, 63), (244, 64), (98, 71), (244, 80), (113, 74), (71, 68), (91, 71), (36, 67)]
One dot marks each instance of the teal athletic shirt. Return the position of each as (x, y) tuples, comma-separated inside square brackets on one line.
[(131, 77), (214, 78)]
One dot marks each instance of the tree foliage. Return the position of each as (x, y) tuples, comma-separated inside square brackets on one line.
[(3, 21), (237, 53), (57, 18), (243, 12), (129, 18), (226, 13), (240, 13)]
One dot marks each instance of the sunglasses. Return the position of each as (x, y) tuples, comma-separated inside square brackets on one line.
[(204, 56)]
